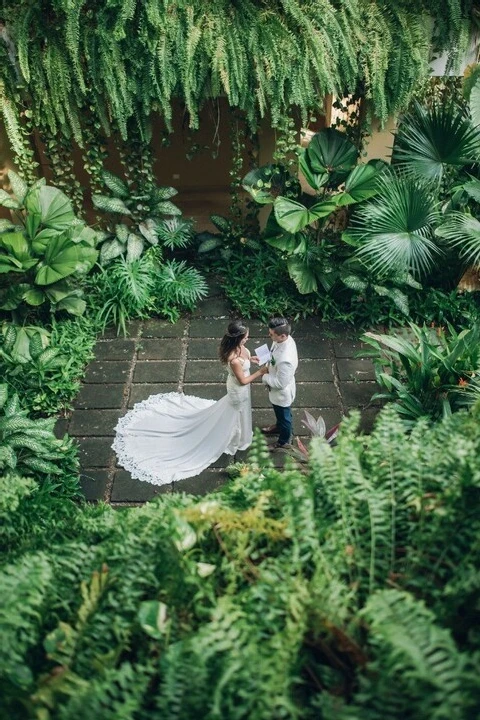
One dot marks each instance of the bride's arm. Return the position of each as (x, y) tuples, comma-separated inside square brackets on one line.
[(237, 370)]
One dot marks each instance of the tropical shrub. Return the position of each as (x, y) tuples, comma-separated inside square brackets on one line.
[(43, 257), (128, 289), (424, 373), (349, 588), (148, 218), (39, 365), (298, 222), (422, 222)]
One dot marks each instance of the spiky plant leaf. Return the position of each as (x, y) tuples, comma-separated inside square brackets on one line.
[(429, 141), (175, 232), (395, 231), (462, 231)]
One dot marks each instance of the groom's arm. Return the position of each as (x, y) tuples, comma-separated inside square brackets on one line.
[(282, 378)]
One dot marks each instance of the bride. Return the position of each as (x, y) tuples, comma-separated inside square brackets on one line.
[(173, 436)]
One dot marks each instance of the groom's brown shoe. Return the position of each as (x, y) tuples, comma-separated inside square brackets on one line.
[(270, 430)]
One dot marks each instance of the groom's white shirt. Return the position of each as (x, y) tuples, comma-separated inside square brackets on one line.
[(281, 375)]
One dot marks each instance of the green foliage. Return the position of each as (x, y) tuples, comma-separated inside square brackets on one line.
[(43, 258), (40, 366), (345, 584), (126, 59), (422, 374), (147, 215), (28, 445), (432, 141), (177, 287)]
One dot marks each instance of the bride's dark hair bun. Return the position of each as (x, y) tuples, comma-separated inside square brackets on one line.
[(231, 340), (236, 329)]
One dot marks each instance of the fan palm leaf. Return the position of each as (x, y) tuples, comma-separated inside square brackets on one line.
[(430, 140), (463, 232), (394, 232)]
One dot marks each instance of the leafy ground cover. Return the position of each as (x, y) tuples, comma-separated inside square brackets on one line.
[(341, 590)]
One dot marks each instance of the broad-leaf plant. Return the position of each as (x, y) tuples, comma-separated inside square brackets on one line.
[(44, 250)]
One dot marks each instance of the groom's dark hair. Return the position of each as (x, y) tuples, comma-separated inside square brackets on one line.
[(280, 326)]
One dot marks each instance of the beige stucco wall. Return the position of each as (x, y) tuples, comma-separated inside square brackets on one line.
[(379, 143)]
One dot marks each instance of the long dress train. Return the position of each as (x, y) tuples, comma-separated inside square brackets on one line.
[(173, 436)]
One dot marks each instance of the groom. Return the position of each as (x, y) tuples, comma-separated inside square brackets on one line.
[(279, 377)]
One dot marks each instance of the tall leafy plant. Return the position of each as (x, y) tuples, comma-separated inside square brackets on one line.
[(298, 223), (44, 251)]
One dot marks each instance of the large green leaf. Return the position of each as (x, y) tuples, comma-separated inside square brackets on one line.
[(361, 184), (394, 232), (73, 305), (34, 297), (316, 180), (55, 208), (8, 201), (330, 151), (431, 140), (163, 193), (265, 183), (303, 275), (167, 208), (474, 101), (42, 239), (294, 217), (463, 232), (18, 250), (62, 258)]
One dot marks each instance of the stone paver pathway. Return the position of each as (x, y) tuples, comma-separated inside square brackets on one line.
[(160, 357)]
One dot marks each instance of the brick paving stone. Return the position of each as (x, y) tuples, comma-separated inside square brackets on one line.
[(125, 489), (160, 349), (314, 371), (94, 422), (358, 394), (95, 452), (199, 349), (117, 349), (348, 347), (208, 481), (163, 328), (312, 347), (208, 327), (310, 326), (93, 484), (107, 371), (358, 369), (140, 392), (100, 396), (132, 328), (205, 371), (213, 306), (214, 288), (154, 371)]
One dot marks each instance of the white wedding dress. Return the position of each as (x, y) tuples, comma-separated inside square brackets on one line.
[(173, 436)]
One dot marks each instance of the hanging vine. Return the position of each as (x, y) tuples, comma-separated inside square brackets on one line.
[(116, 61)]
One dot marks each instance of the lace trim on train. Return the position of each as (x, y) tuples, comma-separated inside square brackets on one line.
[(130, 464)]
